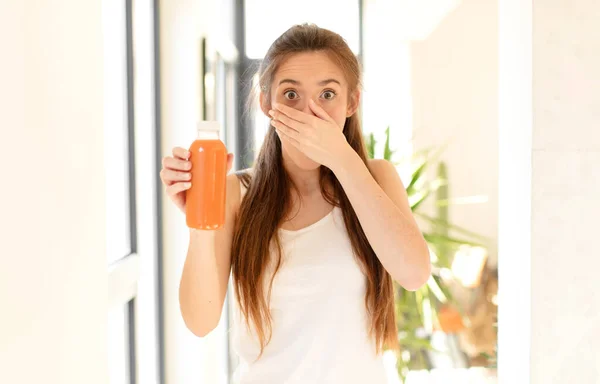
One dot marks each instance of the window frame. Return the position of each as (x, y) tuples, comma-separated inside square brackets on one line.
[(135, 280)]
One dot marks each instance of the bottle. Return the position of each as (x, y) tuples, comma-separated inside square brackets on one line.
[(205, 199)]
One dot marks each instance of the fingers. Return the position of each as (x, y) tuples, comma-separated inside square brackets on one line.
[(168, 176), (320, 112), (291, 123), (176, 168), (294, 114), (176, 188), (175, 174), (181, 153), (176, 164), (285, 119), (283, 128), (284, 137)]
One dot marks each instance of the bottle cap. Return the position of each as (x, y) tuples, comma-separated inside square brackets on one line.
[(209, 126)]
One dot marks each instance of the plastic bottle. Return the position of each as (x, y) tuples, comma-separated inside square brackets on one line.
[(205, 200)]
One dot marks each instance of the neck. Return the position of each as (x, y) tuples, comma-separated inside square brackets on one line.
[(307, 181)]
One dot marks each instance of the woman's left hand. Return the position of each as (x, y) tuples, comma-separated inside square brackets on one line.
[(318, 137)]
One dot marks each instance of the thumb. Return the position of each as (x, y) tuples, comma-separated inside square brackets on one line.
[(318, 111), (229, 161)]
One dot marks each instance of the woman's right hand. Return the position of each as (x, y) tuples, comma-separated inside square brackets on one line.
[(176, 176)]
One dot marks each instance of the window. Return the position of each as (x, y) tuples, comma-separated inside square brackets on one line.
[(118, 345), (116, 134), (134, 347)]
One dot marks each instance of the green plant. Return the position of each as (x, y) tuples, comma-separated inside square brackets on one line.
[(417, 312)]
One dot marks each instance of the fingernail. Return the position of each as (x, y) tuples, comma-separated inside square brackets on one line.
[(271, 112), (188, 185), (188, 176)]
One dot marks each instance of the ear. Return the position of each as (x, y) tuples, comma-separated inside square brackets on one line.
[(265, 105), (353, 103)]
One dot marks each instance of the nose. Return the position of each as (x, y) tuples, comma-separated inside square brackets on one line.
[(305, 108)]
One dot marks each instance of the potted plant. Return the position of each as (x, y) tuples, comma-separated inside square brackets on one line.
[(432, 306)]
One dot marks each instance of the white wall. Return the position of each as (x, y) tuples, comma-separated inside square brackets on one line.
[(386, 97), (454, 95), (53, 264), (565, 303), (514, 204), (183, 23), (549, 307)]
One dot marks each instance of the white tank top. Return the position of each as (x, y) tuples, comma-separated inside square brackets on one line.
[(320, 323)]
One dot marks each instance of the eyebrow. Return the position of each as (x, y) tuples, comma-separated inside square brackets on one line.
[(321, 83)]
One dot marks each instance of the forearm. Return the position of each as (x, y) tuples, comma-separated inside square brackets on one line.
[(394, 236), (201, 295)]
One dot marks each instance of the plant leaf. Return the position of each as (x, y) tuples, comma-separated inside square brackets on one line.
[(430, 158), (370, 144), (443, 223), (443, 288), (436, 290), (436, 238), (419, 188), (387, 152), (416, 199), (464, 200), (416, 175), (427, 309)]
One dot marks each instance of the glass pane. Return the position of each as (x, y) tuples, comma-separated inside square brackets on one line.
[(340, 16), (115, 132), (118, 345)]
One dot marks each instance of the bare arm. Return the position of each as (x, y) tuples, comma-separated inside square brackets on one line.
[(381, 205), (206, 270), (380, 201)]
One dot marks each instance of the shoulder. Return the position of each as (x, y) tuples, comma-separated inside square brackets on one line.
[(382, 170), (233, 193), (238, 183), (386, 175), (244, 176)]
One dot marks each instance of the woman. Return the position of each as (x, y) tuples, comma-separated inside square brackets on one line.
[(314, 233)]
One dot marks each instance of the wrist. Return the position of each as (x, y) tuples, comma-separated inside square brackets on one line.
[(347, 162), (201, 234)]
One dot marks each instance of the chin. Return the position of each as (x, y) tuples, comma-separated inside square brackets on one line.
[(306, 164), (300, 160)]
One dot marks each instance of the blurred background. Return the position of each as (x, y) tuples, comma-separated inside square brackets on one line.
[(488, 108)]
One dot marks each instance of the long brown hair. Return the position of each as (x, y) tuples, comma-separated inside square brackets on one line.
[(268, 201)]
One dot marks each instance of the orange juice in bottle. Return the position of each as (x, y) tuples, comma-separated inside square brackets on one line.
[(205, 200)]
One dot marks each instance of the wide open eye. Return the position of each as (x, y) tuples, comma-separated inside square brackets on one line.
[(291, 95), (328, 95)]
